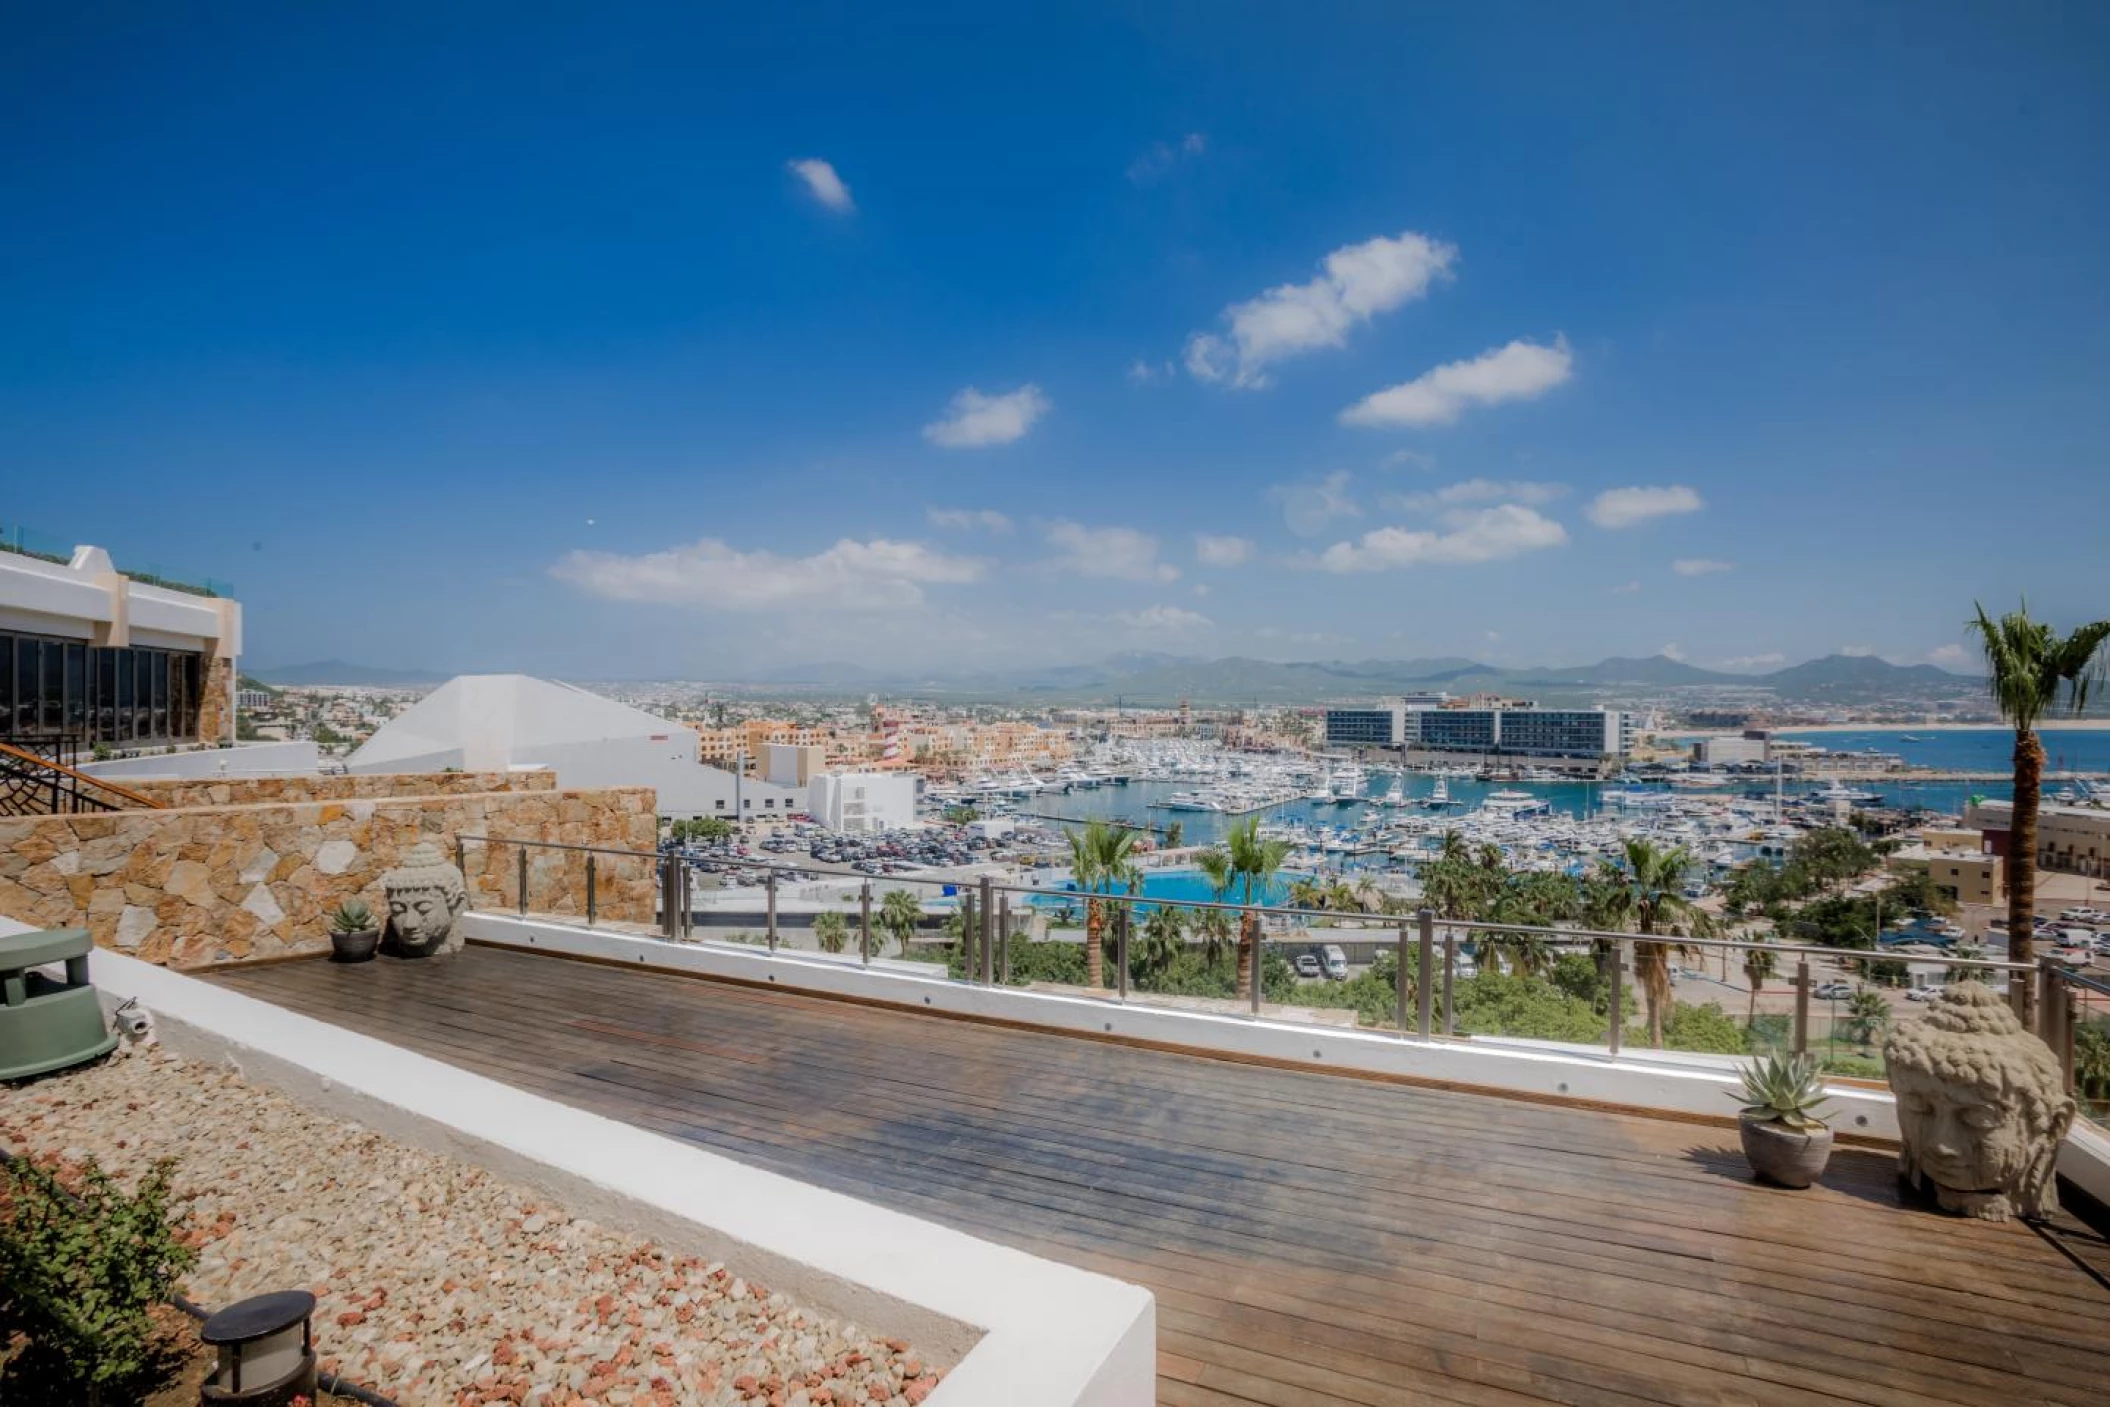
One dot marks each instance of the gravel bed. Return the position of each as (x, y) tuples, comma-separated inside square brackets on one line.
[(437, 1282)]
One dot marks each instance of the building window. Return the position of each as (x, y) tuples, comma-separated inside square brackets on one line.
[(51, 687)]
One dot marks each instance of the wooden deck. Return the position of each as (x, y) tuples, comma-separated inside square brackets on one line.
[(1311, 1239)]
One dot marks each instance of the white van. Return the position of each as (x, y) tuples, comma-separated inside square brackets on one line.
[(1334, 961)]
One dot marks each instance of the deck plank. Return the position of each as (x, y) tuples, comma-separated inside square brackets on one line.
[(1312, 1238)]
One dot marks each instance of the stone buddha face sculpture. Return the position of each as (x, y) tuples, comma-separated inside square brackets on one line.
[(425, 896), (1982, 1107)]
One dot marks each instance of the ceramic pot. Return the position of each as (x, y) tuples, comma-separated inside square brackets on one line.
[(356, 946), (1789, 1157)]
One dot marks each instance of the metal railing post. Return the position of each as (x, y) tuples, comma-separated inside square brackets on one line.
[(1246, 917), (461, 863), (523, 879), (770, 883), (669, 898), (988, 909), (1425, 995), (1450, 973), (2048, 1005), (1802, 1007), (1126, 922), (1399, 981), (2069, 1018), (1003, 939), (590, 896), (1615, 1025), (967, 934), (864, 922)]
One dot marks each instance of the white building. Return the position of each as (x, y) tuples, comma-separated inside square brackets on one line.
[(1749, 750), (513, 722), (862, 801), (793, 764)]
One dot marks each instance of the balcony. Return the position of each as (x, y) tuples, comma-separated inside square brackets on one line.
[(1311, 1237)]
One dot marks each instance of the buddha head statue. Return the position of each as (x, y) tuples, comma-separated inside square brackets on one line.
[(1982, 1107), (425, 896)]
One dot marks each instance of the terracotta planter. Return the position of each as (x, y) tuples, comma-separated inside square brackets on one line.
[(356, 946), (1783, 1155)]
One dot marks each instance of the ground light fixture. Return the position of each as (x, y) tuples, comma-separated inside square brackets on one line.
[(267, 1351)]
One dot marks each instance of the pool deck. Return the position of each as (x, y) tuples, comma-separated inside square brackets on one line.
[(1312, 1239)]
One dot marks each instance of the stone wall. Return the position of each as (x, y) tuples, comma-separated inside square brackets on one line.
[(216, 701), (193, 886), (243, 791)]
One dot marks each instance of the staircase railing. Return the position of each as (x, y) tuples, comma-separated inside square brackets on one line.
[(35, 782)]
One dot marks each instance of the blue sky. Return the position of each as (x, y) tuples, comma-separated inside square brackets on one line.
[(527, 337)]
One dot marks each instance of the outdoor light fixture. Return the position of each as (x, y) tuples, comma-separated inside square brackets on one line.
[(267, 1352)]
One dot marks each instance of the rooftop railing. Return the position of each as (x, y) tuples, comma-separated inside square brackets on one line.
[(30, 542), (1617, 994)]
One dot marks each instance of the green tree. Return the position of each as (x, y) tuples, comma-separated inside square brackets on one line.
[(899, 913), (1175, 834), (961, 815), (1102, 860), (1245, 863), (1160, 940), (1759, 966), (2031, 670), (2091, 1062), (1866, 1015), (830, 930), (1654, 903)]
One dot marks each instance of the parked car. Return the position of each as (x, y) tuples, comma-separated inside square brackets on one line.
[(1308, 967), (1922, 994), (1834, 991)]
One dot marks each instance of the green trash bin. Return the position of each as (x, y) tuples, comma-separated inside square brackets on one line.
[(47, 1025)]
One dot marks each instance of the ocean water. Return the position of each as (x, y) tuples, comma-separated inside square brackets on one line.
[(1976, 750)]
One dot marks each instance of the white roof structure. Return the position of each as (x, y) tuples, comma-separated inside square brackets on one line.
[(515, 722), (495, 722)]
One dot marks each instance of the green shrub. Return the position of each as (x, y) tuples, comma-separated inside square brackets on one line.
[(1703, 1027), (82, 1270)]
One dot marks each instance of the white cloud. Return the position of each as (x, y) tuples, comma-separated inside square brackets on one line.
[(1622, 508), (1700, 566), (1625, 588), (1157, 163), (1213, 551), (1407, 458), (825, 186), (1772, 659), (974, 420), (1470, 535), (850, 576), (1201, 589), (968, 519), (1308, 507), (1167, 619), (1673, 651), (1122, 554), (1358, 282), (1143, 373), (1480, 491), (1951, 657), (1517, 372), (1855, 651)]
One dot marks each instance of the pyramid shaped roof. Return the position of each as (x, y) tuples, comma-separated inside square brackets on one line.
[(489, 722)]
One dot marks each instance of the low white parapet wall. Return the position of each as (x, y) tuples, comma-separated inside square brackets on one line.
[(1661, 1081), (1016, 1329)]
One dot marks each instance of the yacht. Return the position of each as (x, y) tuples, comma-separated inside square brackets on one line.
[(1441, 796), (1838, 791), (1514, 803)]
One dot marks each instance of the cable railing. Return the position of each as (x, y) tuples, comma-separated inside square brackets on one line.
[(45, 547), (1416, 975)]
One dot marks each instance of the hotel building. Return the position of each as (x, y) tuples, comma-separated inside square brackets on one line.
[(1515, 729)]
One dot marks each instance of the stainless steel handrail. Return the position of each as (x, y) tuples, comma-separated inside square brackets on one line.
[(1455, 926)]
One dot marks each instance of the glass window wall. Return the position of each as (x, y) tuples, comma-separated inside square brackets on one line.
[(123, 697)]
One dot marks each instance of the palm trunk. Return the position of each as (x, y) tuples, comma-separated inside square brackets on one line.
[(1751, 1015), (2022, 869), (1094, 945), (1248, 957)]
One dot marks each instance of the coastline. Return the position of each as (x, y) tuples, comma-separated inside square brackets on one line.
[(2049, 725)]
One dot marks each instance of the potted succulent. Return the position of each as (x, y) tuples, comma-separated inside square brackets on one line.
[(1784, 1139), (353, 933)]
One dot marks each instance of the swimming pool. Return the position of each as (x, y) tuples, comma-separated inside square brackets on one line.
[(1183, 887)]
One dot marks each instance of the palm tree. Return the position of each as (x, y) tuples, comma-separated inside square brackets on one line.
[(899, 913), (1245, 862), (1162, 938), (1867, 1013), (1454, 847), (1175, 834), (1655, 877), (830, 930), (2031, 670), (1214, 928), (1307, 893), (1101, 861), (1760, 963)]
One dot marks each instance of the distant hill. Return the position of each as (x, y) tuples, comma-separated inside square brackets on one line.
[(325, 672), (1156, 679)]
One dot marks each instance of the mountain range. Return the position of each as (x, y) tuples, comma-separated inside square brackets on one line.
[(1142, 677)]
